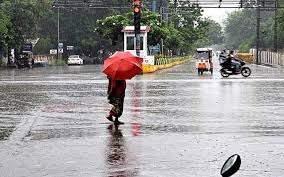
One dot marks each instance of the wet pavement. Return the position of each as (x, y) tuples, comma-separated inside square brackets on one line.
[(52, 123)]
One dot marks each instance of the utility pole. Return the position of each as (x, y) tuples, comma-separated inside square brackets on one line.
[(154, 5), (137, 20), (161, 21), (58, 38), (257, 31), (175, 9), (275, 27), (164, 11), (164, 17)]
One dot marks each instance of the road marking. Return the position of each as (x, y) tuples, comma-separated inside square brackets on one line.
[(222, 80), (91, 82)]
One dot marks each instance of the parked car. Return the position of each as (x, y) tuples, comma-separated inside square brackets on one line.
[(74, 60)]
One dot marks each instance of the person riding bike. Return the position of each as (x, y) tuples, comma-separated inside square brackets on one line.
[(231, 62)]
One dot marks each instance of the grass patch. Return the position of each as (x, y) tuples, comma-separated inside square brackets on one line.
[(57, 62)]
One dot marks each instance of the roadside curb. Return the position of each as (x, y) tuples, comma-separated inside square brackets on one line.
[(147, 68)]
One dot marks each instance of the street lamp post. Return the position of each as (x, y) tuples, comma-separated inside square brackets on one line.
[(58, 37), (275, 26), (257, 31)]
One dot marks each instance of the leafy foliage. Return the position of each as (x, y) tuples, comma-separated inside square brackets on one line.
[(185, 28), (239, 27), (43, 46), (90, 30), (280, 21), (4, 26), (213, 34), (19, 21)]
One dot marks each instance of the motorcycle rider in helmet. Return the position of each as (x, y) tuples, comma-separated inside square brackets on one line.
[(228, 63)]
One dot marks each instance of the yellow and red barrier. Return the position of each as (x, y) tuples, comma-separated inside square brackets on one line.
[(247, 57), (147, 68)]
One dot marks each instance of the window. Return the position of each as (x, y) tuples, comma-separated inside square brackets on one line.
[(141, 43), (130, 43)]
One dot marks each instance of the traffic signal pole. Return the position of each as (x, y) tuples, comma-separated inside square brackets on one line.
[(137, 20)]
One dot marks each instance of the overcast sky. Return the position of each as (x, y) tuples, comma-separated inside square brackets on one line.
[(217, 14)]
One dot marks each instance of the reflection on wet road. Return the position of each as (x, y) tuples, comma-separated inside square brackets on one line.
[(52, 123), (117, 154)]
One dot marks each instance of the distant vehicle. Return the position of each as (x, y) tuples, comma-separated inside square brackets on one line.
[(25, 60), (218, 54), (204, 60), (74, 60)]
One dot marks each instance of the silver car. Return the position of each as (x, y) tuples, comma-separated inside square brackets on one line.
[(74, 60)]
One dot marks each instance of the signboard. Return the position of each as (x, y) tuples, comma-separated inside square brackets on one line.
[(28, 47), (53, 51), (60, 50), (155, 48), (149, 60), (33, 41), (70, 47), (60, 45)]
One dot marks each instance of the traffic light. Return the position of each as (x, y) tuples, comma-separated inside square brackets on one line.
[(220, 1), (137, 15)]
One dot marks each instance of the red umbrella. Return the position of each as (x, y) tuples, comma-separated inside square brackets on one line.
[(122, 65)]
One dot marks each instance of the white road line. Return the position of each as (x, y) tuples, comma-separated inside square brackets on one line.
[(90, 82)]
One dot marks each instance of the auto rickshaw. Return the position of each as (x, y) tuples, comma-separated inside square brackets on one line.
[(204, 60)]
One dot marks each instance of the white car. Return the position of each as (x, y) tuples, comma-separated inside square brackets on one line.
[(74, 60)]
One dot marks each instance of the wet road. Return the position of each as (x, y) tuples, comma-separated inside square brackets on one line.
[(52, 123)]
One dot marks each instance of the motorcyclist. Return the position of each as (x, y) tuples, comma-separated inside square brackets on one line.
[(222, 57), (231, 62), (232, 65)]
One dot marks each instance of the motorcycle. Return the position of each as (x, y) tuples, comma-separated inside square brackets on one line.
[(237, 67)]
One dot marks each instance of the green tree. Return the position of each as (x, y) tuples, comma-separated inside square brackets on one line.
[(4, 23), (213, 34), (189, 22), (240, 27), (24, 16), (280, 30), (110, 28), (43, 46), (240, 30), (77, 25), (4, 27), (174, 40)]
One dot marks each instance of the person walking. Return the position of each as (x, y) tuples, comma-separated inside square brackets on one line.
[(116, 94)]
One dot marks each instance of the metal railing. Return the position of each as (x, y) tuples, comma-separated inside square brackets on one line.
[(269, 58)]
